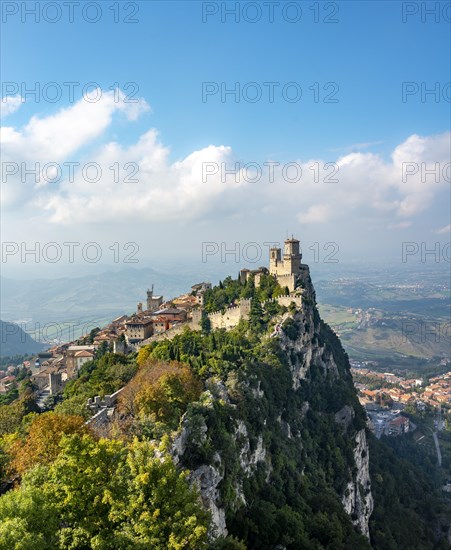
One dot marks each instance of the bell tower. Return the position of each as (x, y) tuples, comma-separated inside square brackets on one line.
[(292, 256), (275, 259), (150, 298)]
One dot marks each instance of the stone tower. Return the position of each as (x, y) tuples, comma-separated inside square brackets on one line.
[(292, 256), (287, 268), (275, 258), (150, 298), (153, 302)]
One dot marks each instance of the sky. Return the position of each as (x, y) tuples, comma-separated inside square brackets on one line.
[(164, 133)]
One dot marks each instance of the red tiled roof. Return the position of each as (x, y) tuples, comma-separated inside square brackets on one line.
[(84, 353)]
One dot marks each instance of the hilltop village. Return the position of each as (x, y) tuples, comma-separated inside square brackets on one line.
[(158, 319), (385, 396)]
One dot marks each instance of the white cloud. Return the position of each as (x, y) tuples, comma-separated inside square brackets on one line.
[(163, 191), (54, 137), (315, 214), (400, 225), (359, 187), (444, 230), (10, 104)]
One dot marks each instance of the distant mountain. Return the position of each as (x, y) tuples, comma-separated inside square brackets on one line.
[(14, 341), (100, 296)]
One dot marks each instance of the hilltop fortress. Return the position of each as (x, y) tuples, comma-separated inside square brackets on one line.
[(164, 320), (289, 271), (290, 274), (161, 320)]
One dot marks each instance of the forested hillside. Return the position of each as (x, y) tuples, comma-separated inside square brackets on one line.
[(249, 438)]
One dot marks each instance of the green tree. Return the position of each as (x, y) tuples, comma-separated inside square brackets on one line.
[(101, 495), (205, 323), (256, 315), (41, 445)]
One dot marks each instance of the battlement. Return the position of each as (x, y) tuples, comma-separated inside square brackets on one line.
[(231, 316), (222, 312), (286, 298), (245, 304)]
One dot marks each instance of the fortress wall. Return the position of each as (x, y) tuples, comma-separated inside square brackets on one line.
[(228, 319), (231, 317), (287, 279), (168, 334), (196, 316), (287, 300), (219, 319)]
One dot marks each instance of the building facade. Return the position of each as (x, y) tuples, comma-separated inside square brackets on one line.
[(153, 302), (138, 330), (286, 267)]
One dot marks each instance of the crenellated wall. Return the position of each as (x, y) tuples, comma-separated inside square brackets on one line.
[(231, 316)]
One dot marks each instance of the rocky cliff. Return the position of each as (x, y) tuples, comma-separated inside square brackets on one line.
[(284, 427)]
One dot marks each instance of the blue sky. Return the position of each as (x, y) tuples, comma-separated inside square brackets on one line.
[(170, 52)]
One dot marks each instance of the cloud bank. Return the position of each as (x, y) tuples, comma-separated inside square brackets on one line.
[(138, 182)]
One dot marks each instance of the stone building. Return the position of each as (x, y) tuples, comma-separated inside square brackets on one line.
[(187, 302), (73, 363), (287, 268), (153, 302), (171, 314), (245, 274), (199, 290), (138, 329), (82, 357)]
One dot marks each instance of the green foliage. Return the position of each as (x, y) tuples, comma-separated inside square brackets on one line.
[(291, 328), (409, 510), (101, 495), (256, 316), (153, 402), (9, 397), (227, 543), (231, 291), (128, 494), (300, 507), (101, 376), (75, 404), (205, 323), (11, 415), (216, 353)]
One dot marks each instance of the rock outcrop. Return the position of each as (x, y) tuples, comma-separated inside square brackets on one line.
[(358, 500), (312, 353)]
